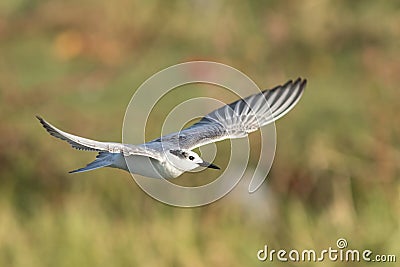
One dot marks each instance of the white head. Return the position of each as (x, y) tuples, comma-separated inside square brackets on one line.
[(187, 160)]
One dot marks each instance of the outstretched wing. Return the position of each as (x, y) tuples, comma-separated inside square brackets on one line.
[(239, 118), (81, 143)]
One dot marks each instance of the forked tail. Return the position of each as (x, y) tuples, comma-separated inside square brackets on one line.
[(103, 159)]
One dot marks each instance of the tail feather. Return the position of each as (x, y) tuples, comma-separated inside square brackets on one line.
[(103, 159)]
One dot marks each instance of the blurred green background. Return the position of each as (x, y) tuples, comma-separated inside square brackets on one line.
[(77, 63)]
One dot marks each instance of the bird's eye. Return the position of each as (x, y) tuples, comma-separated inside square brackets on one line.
[(191, 157)]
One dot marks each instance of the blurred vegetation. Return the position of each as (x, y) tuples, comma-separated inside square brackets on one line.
[(77, 63)]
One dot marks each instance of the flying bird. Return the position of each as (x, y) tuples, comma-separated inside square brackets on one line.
[(171, 155)]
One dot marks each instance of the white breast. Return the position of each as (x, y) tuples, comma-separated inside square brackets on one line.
[(146, 166)]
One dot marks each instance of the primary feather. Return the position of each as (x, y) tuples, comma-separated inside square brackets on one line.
[(239, 118)]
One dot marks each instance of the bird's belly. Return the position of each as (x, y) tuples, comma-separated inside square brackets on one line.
[(146, 166)]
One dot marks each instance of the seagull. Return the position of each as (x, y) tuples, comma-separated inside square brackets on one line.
[(171, 155)]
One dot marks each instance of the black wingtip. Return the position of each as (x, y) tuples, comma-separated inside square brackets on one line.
[(42, 121), (304, 83), (39, 118), (300, 80), (48, 127), (286, 84), (44, 124)]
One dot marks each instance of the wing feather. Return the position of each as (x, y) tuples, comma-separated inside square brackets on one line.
[(239, 118), (82, 143)]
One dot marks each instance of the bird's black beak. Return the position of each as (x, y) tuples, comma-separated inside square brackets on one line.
[(209, 165)]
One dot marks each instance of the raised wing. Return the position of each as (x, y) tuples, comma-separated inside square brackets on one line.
[(81, 143), (239, 118)]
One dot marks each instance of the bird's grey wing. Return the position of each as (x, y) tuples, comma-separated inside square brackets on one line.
[(239, 118), (82, 143)]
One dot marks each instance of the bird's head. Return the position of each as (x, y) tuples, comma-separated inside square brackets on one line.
[(188, 160)]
